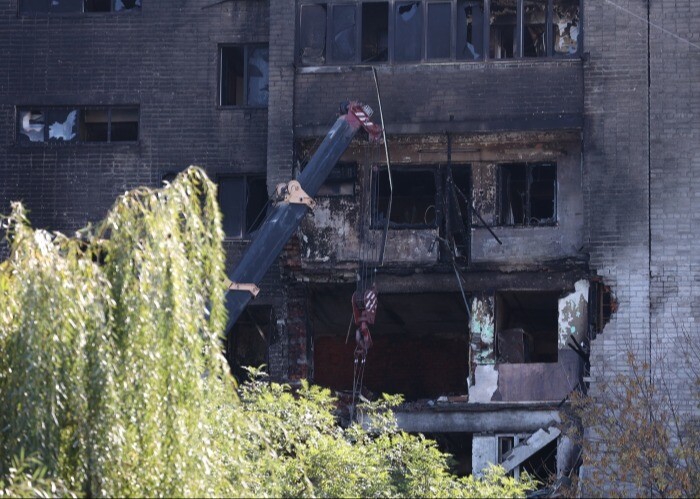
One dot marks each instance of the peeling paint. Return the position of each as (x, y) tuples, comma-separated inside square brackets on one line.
[(485, 384), (482, 329), (573, 313)]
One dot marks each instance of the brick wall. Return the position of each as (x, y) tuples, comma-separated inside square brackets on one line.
[(163, 58)]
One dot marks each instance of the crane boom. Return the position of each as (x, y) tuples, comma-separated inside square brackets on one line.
[(287, 214)]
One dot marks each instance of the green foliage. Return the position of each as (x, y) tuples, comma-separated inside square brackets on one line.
[(113, 382)]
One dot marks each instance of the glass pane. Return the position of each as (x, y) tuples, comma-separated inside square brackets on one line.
[(256, 203), (127, 5), (125, 124), (94, 125), (232, 76), (232, 204), (566, 27), (408, 36), (534, 28), (312, 34), (258, 69), (343, 33), (62, 124), (439, 30), (375, 32), (470, 30), (66, 5), (31, 126), (502, 35)]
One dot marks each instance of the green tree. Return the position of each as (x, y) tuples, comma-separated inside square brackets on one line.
[(112, 381)]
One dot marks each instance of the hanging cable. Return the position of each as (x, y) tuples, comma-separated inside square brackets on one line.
[(388, 169)]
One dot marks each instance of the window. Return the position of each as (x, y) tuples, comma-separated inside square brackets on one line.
[(414, 201), (243, 200), (346, 32), (341, 181), (247, 342), (527, 325), (75, 125), (59, 6), (244, 75), (528, 194)]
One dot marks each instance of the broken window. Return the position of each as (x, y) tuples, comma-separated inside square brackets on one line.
[(566, 26), (341, 181), (534, 28), (408, 31), (243, 201), (59, 124), (65, 6), (502, 29), (312, 34), (375, 32), (414, 199), (343, 33), (527, 324), (470, 30), (527, 193), (247, 341), (244, 76), (439, 30), (542, 465)]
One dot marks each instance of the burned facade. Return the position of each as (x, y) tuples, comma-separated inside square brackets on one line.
[(529, 216)]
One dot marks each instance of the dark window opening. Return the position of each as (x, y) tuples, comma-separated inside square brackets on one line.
[(243, 202), (535, 28), (312, 34), (64, 124), (69, 6), (502, 29), (459, 446), (439, 30), (528, 194), (248, 340), (601, 305), (341, 181), (414, 200), (420, 343), (527, 327), (343, 33), (375, 32), (244, 76), (408, 31), (470, 30)]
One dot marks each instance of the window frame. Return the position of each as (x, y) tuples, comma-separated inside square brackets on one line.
[(246, 48), (454, 29), (23, 12), (45, 109), (552, 222), (246, 177)]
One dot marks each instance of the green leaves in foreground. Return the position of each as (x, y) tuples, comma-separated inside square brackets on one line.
[(112, 381)]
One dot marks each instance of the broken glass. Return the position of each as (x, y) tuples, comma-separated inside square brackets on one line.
[(470, 30), (534, 28), (566, 27), (502, 33), (343, 33), (258, 69), (124, 124), (408, 33), (120, 5), (312, 34), (31, 123), (439, 30), (375, 32), (63, 124)]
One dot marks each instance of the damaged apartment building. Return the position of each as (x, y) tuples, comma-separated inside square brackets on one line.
[(520, 221)]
